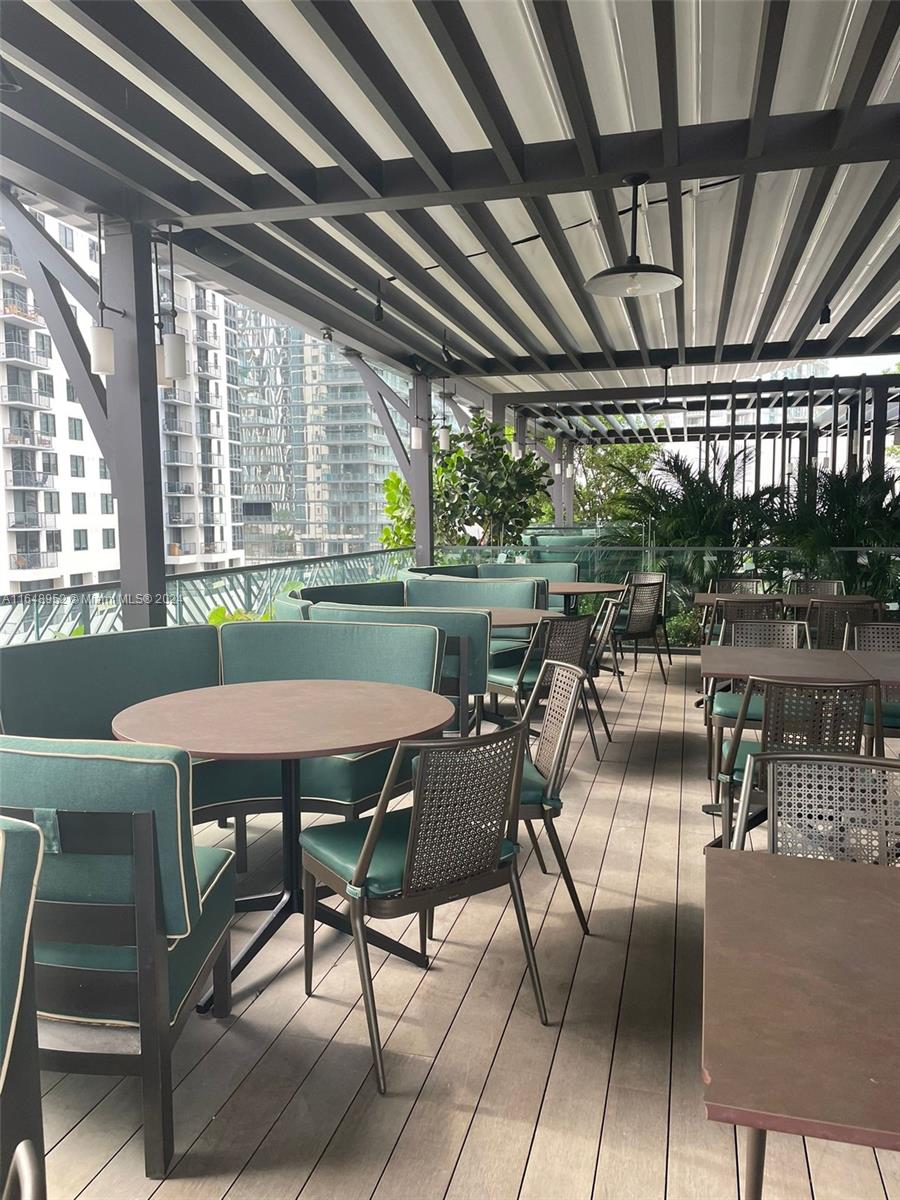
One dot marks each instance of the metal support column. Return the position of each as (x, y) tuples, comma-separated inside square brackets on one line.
[(861, 426), (495, 410), (521, 431), (835, 423), (420, 465), (757, 461), (731, 425), (706, 422), (133, 406), (879, 427), (810, 457), (784, 439), (852, 431), (557, 493)]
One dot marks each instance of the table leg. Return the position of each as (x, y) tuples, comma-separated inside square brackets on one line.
[(754, 1164)]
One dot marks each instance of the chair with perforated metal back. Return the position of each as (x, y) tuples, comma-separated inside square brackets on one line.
[(828, 806), (881, 637), (832, 616), (752, 585), (643, 604), (723, 706), (816, 587), (732, 611), (810, 718), (656, 577), (458, 839), (602, 640), (560, 685)]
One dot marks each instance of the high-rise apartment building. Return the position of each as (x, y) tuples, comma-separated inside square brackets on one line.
[(59, 513)]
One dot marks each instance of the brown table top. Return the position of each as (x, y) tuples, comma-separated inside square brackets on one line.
[(585, 588), (507, 618), (883, 665), (788, 599), (293, 718), (801, 974), (794, 666)]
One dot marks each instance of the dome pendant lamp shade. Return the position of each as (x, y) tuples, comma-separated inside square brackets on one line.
[(102, 345), (634, 278)]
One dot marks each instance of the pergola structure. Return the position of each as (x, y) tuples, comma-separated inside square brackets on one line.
[(432, 182)]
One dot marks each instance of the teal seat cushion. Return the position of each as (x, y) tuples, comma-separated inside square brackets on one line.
[(289, 607), (380, 592), (507, 652), (745, 749), (533, 793), (186, 955), (507, 676), (338, 848), (890, 713), (20, 863), (728, 704)]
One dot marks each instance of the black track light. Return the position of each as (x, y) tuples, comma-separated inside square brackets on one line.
[(825, 315), (445, 353), (379, 307)]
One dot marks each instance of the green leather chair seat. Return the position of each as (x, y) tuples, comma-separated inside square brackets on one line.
[(20, 864), (533, 792), (338, 847), (507, 650), (890, 713), (745, 749), (507, 676), (728, 704), (215, 875)]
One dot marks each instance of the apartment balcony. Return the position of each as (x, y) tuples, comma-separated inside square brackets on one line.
[(209, 401), (173, 517), (21, 314), (19, 396), (181, 549), (207, 366), (10, 265), (32, 560), (207, 303), (27, 437), (177, 489), (171, 425), (210, 460), (206, 430), (178, 458), (206, 337), (211, 489), (177, 396), (30, 479), (213, 547), (17, 354), (31, 520)]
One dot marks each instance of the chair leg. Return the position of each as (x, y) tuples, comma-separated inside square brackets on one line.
[(564, 871), (666, 640), (365, 977), (240, 844), (520, 711), (599, 705), (156, 1103), (536, 847), (709, 749), (718, 742), (222, 980), (309, 929), (429, 924), (662, 669), (635, 655), (869, 745), (522, 917), (479, 714), (423, 931), (590, 724)]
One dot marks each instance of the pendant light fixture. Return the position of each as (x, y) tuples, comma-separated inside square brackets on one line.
[(444, 430), (101, 340), (634, 278), (174, 356), (161, 379)]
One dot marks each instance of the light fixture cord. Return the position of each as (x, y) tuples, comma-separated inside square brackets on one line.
[(172, 279), (100, 305), (159, 321)]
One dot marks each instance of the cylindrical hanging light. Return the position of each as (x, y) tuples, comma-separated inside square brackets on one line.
[(162, 380), (570, 471), (557, 468), (444, 438), (415, 437), (174, 344), (515, 449), (102, 344)]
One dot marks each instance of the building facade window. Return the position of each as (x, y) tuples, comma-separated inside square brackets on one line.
[(104, 469), (45, 383), (66, 237), (107, 503), (76, 464), (54, 540), (48, 424), (109, 539), (43, 345), (80, 539), (79, 502), (76, 429)]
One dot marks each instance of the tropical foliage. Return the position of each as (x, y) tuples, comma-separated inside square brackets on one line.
[(482, 495), (604, 480)]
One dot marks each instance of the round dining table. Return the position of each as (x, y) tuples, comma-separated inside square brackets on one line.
[(288, 720)]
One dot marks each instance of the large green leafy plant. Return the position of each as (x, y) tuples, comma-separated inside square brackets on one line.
[(482, 495)]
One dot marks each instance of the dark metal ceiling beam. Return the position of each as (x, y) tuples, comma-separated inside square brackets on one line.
[(880, 332), (875, 290), (794, 141), (877, 209), (744, 389)]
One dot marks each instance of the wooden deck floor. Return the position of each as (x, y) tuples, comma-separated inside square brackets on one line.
[(278, 1101)]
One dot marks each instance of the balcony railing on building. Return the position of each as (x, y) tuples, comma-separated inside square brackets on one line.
[(213, 548), (171, 425), (206, 337), (177, 396), (178, 458), (174, 517), (30, 479), (31, 520), (210, 460), (207, 430), (177, 489), (180, 549), (20, 396), (209, 400), (27, 437), (10, 265), (207, 364), (14, 310), (206, 302), (18, 352), (211, 489), (32, 560)]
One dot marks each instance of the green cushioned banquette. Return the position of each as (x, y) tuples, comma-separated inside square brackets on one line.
[(289, 607), (197, 884), (475, 593), (20, 864), (382, 593)]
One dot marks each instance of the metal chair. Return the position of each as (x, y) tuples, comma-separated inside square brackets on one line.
[(829, 806), (458, 839), (643, 601), (753, 585), (602, 639), (884, 637), (831, 618), (811, 718), (816, 587), (731, 611), (656, 577), (724, 704), (560, 685)]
